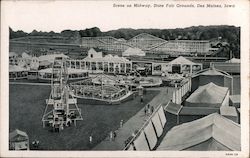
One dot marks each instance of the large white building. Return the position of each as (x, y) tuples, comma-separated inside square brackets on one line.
[(96, 63)]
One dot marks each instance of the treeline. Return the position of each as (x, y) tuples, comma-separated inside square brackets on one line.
[(230, 34)]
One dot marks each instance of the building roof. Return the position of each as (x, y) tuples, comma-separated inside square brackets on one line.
[(133, 52), (107, 58), (233, 60), (234, 100), (200, 111), (226, 110), (17, 132), (173, 108), (26, 56), (187, 135), (197, 41), (227, 67), (212, 72), (12, 54), (44, 63), (181, 60), (92, 50), (15, 68), (70, 71), (209, 93), (51, 57), (105, 79)]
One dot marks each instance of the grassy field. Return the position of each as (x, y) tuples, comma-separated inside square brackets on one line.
[(27, 104)]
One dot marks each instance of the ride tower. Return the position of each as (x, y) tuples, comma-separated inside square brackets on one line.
[(61, 107)]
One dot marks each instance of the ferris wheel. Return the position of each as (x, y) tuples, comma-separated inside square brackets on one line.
[(61, 107)]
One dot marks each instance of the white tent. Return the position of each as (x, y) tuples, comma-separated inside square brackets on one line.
[(26, 56), (133, 52), (15, 68), (233, 60), (51, 57), (13, 54), (213, 132), (209, 95), (182, 60)]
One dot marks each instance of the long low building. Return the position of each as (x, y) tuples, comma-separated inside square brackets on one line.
[(73, 74), (99, 64), (180, 65)]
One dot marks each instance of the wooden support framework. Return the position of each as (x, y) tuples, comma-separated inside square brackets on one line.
[(61, 107)]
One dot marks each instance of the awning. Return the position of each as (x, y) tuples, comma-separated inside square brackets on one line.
[(141, 142), (151, 135), (173, 108), (234, 100)]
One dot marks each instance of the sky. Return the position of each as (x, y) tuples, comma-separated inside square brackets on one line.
[(78, 15)]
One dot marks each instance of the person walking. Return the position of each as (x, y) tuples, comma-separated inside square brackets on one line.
[(115, 134), (152, 109), (145, 110), (142, 99), (90, 139), (111, 135), (121, 123)]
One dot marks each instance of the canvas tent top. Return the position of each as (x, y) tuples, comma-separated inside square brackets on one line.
[(233, 60), (105, 79), (133, 52), (209, 93), (187, 135), (26, 56), (51, 57), (212, 72), (17, 132), (226, 110), (15, 68), (182, 60), (44, 63), (70, 71), (12, 54), (234, 100), (92, 50), (107, 58), (173, 108)]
